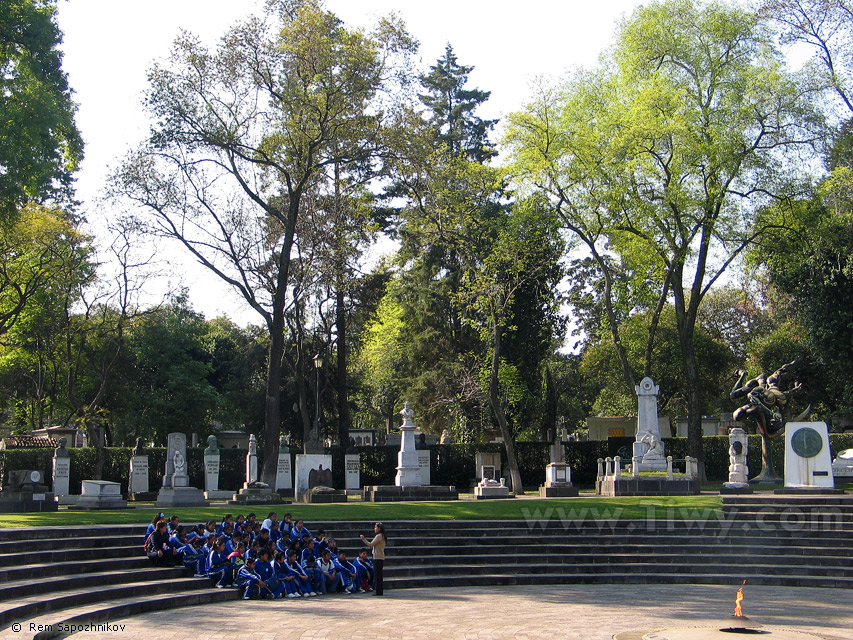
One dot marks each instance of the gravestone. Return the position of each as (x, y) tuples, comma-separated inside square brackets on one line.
[(176, 491), (558, 475), (808, 463), (648, 445), (62, 473), (137, 485), (352, 471), (738, 470), (283, 472), (252, 461), (408, 469), (424, 462), (486, 459)]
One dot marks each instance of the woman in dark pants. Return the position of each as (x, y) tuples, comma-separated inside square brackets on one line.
[(378, 547)]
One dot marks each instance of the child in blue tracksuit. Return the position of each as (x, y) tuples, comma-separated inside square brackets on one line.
[(331, 576), (194, 557), (250, 582), (285, 576), (365, 570), (219, 567), (299, 530), (265, 569), (303, 582), (315, 576), (348, 573)]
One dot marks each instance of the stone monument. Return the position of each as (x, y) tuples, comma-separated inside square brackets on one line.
[(558, 475), (137, 485), (283, 472), (808, 463), (408, 469), (254, 491), (176, 491), (738, 470), (842, 466), (24, 493), (352, 472), (211, 472), (62, 474), (648, 445), (408, 481), (486, 459)]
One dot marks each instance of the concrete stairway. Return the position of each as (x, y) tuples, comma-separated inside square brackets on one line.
[(53, 578)]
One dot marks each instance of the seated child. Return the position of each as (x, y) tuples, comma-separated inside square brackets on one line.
[(348, 573)]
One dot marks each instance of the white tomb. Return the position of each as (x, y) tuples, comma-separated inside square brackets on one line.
[(100, 494), (648, 445), (842, 466), (352, 471)]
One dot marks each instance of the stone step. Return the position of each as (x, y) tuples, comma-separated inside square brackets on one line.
[(746, 569), (54, 625), (728, 578), (22, 587), (89, 542), (845, 499), (23, 609), (624, 557), (52, 569), (69, 555)]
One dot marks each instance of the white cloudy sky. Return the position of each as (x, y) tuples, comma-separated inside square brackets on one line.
[(109, 45)]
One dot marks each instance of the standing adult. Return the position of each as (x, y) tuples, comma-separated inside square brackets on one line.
[(377, 545)]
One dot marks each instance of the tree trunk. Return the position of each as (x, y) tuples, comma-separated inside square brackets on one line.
[(500, 416), (344, 416), (272, 401)]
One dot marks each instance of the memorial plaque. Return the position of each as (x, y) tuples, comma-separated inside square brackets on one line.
[(352, 471), (138, 475), (424, 460), (284, 472), (488, 472)]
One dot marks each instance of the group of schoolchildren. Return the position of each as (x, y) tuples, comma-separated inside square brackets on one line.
[(272, 559)]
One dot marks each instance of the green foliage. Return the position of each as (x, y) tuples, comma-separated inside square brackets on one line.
[(600, 366), (40, 145)]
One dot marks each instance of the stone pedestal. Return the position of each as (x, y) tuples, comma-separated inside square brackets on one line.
[(408, 469), (100, 494), (352, 471), (558, 482), (255, 493), (211, 479), (613, 486), (738, 470), (61, 476), (176, 491), (392, 493), (808, 464), (842, 466)]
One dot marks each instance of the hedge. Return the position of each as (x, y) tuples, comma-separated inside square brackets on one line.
[(451, 464)]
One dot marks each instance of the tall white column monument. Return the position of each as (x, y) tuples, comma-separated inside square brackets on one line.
[(408, 467)]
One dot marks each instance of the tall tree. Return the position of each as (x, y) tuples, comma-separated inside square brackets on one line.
[(40, 145), (663, 155), (244, 135)]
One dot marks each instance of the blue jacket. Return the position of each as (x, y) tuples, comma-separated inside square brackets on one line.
[(246, 575), (216, 561)]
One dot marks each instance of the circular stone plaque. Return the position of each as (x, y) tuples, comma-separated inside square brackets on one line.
[(806, 442)]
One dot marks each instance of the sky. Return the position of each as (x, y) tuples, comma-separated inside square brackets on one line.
[(110, 44)]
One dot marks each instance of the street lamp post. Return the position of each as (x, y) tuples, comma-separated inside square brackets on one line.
[(318, 364)]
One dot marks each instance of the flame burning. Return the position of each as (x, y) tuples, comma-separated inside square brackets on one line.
[(738, 600)]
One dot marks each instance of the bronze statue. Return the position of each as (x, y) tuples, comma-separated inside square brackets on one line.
[(768, 398)]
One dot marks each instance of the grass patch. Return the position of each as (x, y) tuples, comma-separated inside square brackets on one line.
[(628, 508)]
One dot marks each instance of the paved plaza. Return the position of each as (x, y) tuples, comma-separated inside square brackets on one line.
[(591, 612)]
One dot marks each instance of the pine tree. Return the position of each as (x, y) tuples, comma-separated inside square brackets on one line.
[(452, 107)]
